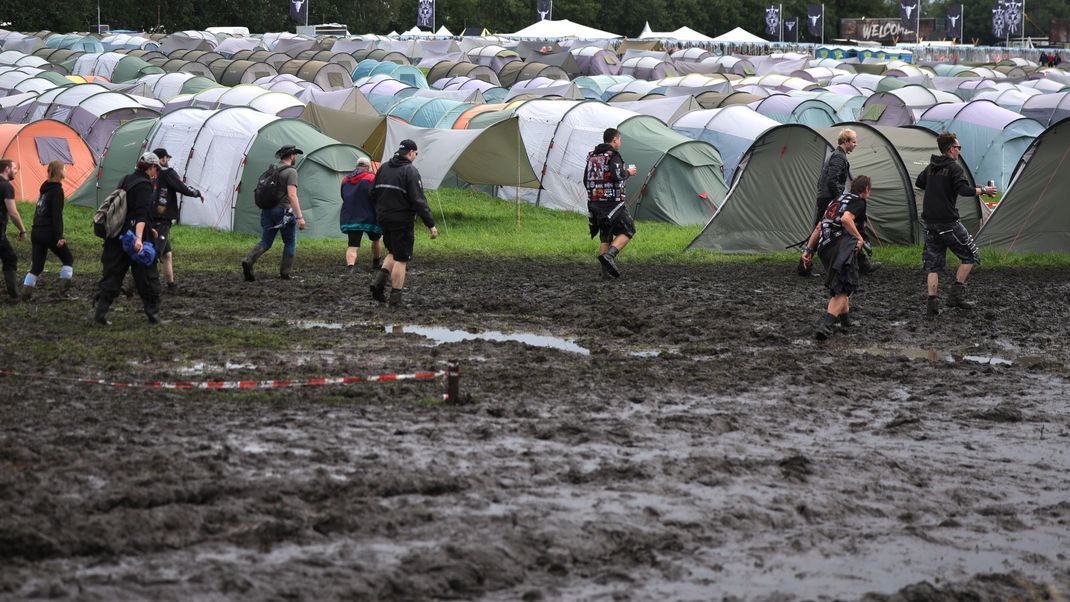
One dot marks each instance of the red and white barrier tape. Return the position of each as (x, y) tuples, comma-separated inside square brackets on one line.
[(244, 384)]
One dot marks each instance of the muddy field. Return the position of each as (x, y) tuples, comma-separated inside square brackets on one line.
[(675, 435)]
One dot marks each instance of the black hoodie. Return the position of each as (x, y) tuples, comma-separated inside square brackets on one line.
[(48, 216), (943, 182), (398, 194)]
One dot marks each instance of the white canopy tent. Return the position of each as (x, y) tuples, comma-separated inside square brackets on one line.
[(547, 29), (683, 34), (739, 36)]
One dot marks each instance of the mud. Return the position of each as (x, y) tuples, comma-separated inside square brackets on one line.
[(704, 448)]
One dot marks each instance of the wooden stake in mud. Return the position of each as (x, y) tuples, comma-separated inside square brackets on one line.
[(453, 382)]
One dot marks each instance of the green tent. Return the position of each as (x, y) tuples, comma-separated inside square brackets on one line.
[(132, 67), (1033, 215), (120, 155), (771, 203), (358, 129)]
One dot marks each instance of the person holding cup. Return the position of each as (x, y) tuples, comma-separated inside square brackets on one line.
[(606, 181)]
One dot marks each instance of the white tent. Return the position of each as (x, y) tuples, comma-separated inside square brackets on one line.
[(564, 28), (738, 36), (683, 34)]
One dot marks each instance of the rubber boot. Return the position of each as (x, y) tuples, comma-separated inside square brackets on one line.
[(285, 266), (605, 272), (866, 265), (932, 306), (823, 330), (378, 286), (958, 299), (100, 314), (377, 263), (609, 259), (250, 259), (64, 287), (152, 312), (846, 321), (27, 292), (395, 298), (11, 284)]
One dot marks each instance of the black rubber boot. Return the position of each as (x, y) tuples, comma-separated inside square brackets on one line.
[(285, 266), (378, 286), (932, 306), (823, 330), (958, 299), (27, 292), (395, 298), (100, 315), (866, 265), (250, 259), (153, 314), (609, 260), (11, 284), (64, 287), (605, 272), (846, 321), (377, 262)]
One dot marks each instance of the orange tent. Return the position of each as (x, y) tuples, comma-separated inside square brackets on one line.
[(33, 145), (466, 117)]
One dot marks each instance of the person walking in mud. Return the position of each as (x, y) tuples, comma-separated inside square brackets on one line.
[(836, 239), (47, 233), (8, 170), (398, 196), (357, 217), (606, 181), (944, 181), (166, 212), (140, 196), (280, 212)]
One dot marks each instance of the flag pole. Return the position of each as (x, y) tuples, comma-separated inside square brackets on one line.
[(1023, 24), (917, 30), (307, 10), (781, 14), (822, 23)]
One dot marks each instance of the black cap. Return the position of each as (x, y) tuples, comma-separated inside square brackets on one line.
[(406, 146), (161, 153), (289, 149)]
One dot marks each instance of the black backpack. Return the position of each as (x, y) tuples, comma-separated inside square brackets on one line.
[(269, 191)]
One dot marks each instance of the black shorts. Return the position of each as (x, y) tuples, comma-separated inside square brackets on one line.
[(941, 237), (355, 235), (609, 220), (163, 237), (399, 239)]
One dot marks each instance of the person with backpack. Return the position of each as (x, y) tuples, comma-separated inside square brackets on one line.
[(47, 233), (606, 181), (836, 239), (166, 212), (8, 170), (357, 217), (398, 196), (135, 195), (280, 212)]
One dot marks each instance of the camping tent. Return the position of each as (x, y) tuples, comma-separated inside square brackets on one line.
[(125, 146), (555, 30), (739, 36), (34, 145)]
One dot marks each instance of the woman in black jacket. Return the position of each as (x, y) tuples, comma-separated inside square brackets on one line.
[(47, 233)]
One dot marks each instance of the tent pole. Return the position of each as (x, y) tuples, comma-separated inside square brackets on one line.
[(822, 23)]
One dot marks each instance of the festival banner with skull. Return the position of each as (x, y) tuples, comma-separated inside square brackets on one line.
[(299, 11), (425, 15), (791, 29), (815, 19), (954, 21), (545, 9), (772, 20)]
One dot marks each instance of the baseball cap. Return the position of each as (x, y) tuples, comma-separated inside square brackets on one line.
[(406, 146), (289, 149), (161, 153), (149, 159), (364, 162)]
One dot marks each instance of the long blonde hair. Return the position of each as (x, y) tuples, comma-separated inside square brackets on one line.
[(56, 171)]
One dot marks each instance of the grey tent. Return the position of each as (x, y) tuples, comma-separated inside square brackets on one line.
[(1033, 216), (771, 203), (275, 59)]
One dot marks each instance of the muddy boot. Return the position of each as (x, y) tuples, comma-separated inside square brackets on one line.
[(846, 321), (377, 262), (605, 272), (395, 298), (10, 283), (27, 287), (932, 306), (250, 259), (153, 314), (823, 330), (100, 314), (866, 265), (285, 267), (804, 269), (64, 287), (958, 299), (609, 260), (378, 286)]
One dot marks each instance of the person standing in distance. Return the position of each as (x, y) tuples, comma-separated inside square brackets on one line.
[(140, 196), (357, 217), (8, 170), (283, 218), (398, 196), (166, 211), (606, 181), (943, 181), (47, 233)]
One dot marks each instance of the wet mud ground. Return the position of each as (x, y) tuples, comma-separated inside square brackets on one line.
[(693, 442)]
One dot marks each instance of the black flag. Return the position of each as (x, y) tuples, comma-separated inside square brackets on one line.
[(299, 11), (954, 21), (908, 14), (425, 16), (791, 29), (815, 19), (545, 9), (772, 20), (998, 26), (1012, 16)]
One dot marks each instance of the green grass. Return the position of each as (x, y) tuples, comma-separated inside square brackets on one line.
[(476, 225)]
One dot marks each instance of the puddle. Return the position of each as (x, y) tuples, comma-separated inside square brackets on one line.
[(201, 368), (310, 324), (934, 355), (983, 359), (645, 353), (448, 335)]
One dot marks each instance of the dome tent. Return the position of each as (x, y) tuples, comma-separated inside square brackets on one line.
[(34, 145)]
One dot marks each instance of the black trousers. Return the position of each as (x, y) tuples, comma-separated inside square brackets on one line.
[(114, 265), (7, 255), (39, 252)]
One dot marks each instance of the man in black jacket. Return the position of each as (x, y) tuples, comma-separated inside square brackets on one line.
[(398, 196), (166, 211), (8, 170), (606, 179), (943, 182), (140, 197)]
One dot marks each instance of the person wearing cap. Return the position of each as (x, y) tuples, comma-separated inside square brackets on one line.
[(166, 211), (280, 219), (398, 196), (140, 196), (357, 217)]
